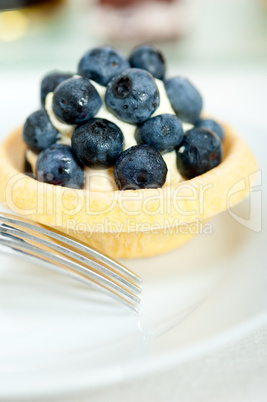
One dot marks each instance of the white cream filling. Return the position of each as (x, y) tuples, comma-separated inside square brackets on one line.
[(103, 179)]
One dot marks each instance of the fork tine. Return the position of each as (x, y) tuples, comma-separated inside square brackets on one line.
[(69, 268), (91, 264), (51, 232)]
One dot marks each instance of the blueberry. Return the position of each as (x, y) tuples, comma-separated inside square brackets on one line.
[(57, 165), (38, 131), (50, 82), (200, 151), (150, 59), (211, 125), (97, 143), (132, 96), (140, 166), (102, 63), (163, 132), (76, 100), (185, 99)]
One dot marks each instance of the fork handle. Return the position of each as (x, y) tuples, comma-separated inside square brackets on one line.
[(14, 248), (10, 250)]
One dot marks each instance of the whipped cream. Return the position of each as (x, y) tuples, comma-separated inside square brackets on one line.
[(103, 179)]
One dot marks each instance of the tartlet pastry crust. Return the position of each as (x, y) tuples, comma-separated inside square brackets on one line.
[(127, 224)]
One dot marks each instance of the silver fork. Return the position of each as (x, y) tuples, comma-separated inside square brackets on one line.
[(46, 246)]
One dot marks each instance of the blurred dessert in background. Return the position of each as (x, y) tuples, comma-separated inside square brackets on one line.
[(18, 18), (14, 4), (123, 3), (145, 20)]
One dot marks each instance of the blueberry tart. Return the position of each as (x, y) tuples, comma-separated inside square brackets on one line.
[(122, 157)]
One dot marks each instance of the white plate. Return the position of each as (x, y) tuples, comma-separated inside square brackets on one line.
[(58, 336)]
